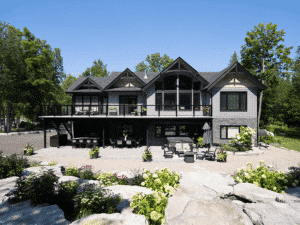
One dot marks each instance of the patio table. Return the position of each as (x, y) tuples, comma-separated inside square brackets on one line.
[(128, 138)]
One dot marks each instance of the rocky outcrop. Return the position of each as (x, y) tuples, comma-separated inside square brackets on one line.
[(204, 197), (223, 201)]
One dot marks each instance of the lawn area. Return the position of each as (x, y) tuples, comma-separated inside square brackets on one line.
[(291, 139), (292, 143)]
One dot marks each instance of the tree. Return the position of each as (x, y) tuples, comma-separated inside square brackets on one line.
[(97, 70), (156, 63), (292, 114), (66, 99), (234, 58), (262, 55)]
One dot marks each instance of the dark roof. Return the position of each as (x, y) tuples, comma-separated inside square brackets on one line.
[(124, 89), (211, 77)]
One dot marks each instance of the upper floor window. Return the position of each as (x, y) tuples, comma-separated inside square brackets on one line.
[(158, 86), (185, 83), (233, 101), (170, 83), (197, 86)]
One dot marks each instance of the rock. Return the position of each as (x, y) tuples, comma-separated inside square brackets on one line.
[(113, 219), (126, 215), (215, 198), (209, 197)]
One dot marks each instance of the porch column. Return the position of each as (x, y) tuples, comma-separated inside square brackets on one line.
[(103, 136), (72, 124), (57, 124), (147, 138), (45, 137)]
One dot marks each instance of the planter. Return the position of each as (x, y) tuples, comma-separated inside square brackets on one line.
[(95, 156), (148, 159), (63, 140), (25, 153), (225, 160)]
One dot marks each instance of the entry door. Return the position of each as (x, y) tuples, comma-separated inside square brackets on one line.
[(127, 102)]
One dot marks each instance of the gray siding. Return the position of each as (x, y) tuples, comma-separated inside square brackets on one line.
[(248, 118)]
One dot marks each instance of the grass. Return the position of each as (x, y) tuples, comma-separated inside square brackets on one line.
[(290, 141)]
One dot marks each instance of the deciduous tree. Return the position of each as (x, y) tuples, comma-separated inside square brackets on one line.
[(263, 56), (156, 63), (97, 70)]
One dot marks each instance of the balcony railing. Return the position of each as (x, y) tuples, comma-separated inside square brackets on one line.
[(128, 110)]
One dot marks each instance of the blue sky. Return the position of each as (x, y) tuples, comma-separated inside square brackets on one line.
[(122, 33)]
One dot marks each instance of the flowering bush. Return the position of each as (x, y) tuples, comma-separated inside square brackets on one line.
[(206, 109), (29, 149), (94, 151), (108, 179), (221, 154), (244, 137), (95, 201), (264, 178), (147, 154), (153, 206)]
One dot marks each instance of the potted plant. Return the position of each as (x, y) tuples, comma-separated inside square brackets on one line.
[(221, 155), (147, 156), (200, 142), (125, 136), (144, 110), (28, 150), (94, 152), (206, 109), (136, 112)]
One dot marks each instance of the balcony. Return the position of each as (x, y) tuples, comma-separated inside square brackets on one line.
[(127, 110)]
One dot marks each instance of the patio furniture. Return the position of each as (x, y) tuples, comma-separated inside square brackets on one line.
[(129, 142), (211, 154), (80, 142), (113, 143), (120, 143), (189, 157), (168, 152), (137, 142), (95, 142), (74, 143), (88, 143)]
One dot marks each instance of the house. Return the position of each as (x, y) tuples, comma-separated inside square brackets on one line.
[(155, 105)]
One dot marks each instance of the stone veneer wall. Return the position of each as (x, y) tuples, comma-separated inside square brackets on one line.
[(250, 122)]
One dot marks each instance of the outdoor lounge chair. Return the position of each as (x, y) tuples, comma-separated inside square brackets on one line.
[(120, 143), (129, 142), (168, 152), (113, 143), (211, 154)]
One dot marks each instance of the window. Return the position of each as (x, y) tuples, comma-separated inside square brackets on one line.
[(196, 86), (86, 100), (228, 132), (158, 101), (197, 101), (158, 132), (185, 83), (170, 130), (233, 101), (158, 85), (170, 83), (94, 100), (185, 101), (183, 131), (170, 101), (78, 100)]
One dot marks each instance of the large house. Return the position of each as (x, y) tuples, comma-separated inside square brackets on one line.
[(175, 102)]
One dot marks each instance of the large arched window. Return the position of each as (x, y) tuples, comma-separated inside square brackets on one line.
[(170, 83), (185, 82)]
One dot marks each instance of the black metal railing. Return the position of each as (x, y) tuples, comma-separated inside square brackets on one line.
[(127, 110)]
